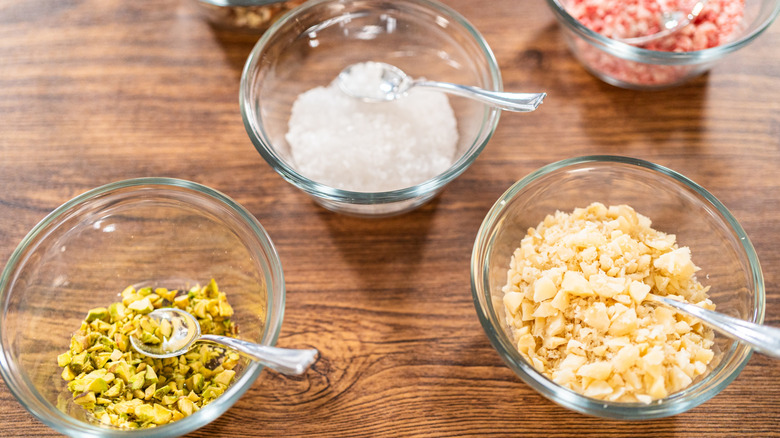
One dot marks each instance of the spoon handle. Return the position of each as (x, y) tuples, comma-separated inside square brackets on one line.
[(762, 338), (521, 102), (284, 360)]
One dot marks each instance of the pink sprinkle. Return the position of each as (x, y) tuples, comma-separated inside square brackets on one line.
[(632, 18), (719, 21)]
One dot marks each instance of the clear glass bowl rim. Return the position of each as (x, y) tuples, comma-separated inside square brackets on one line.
[(260, 139), (65, 424), (675, 404), (231, 3), (633, 53)]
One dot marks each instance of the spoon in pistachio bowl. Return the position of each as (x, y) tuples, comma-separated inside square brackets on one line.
[(184, 331), (762, 338), (670, 22), (381, 82)]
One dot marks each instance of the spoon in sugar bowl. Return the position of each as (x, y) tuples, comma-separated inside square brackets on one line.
[(670, 22), (185, 331), (762, 338), (380, 82)]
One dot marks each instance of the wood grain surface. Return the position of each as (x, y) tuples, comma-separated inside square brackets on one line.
[(95, 91)]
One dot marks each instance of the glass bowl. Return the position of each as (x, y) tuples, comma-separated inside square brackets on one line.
[(632, 67), (244, 15), (309, 46), (149, 231), (675, 205)]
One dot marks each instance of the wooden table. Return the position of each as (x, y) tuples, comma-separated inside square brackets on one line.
[(94, 91)]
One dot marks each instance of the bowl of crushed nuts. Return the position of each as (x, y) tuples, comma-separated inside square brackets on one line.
[(82, 282), (564, 268), (250, 16)]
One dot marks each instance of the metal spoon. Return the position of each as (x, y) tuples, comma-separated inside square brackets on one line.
[(762, 338), (381, 82), (186, 331), (671, 22)]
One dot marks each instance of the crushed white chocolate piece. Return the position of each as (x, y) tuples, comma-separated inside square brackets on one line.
[(574, 300)]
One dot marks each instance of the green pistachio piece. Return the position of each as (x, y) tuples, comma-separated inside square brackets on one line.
[(116, 311), (148, 325), (210, 290), (166, 294), (122, 342), (169, 399), (196, 382), (149, 338), (64, 359), (137, 381), (115, 390), (225, 377), (165, 329), (115, 355), (212, 392), (144, 412), (151, 376), (142, 306), (181, 301), (224, 309), (186, 406), (79, 362), (160, 392), (85, 399), (98, 385), (201, 308), (100, 359), (122, 370), (162, 415), (68, 374), (149, 391), (127, 407), (129, 290), (96, 313)]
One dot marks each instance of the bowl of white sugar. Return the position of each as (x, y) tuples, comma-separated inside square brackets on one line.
[(368, 158)]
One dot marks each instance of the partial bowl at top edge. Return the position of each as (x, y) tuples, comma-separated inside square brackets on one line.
[(244, 16), (632, 67)]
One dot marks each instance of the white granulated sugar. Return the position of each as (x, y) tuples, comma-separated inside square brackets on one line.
[(365, 79), (353, 145)]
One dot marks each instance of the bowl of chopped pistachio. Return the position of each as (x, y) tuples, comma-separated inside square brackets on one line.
[(79, 287)]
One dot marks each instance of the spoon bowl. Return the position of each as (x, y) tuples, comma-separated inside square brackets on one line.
[(185, 331), (671, 22), (380, 82)]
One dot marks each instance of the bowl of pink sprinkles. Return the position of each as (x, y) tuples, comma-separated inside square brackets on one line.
[(597, 30)]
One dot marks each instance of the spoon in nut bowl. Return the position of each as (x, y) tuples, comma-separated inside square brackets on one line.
[(762, 338), (671, 22), (185, 331), (380, 82)]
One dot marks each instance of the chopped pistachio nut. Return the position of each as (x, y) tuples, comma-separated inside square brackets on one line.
[(126, 389)]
